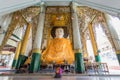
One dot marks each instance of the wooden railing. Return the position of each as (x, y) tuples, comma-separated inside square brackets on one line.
[(97, 67)]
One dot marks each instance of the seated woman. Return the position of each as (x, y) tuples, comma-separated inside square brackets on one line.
[(58, 72), (59, 49)]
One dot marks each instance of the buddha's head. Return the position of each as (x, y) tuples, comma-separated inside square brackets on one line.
[(59, 32)]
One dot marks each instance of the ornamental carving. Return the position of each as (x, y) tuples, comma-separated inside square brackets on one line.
[(54, 14)]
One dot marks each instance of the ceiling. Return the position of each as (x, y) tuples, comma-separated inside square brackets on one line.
[(109, 6)]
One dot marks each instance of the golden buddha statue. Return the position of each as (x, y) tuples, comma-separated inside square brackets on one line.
[(59, 50)]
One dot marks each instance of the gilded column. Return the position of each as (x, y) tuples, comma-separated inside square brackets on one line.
[(79, 64), (16, 55), (85, 53), (22, 56), (94, 44), (35, 62)]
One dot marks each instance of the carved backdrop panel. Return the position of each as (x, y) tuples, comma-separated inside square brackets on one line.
[(54, 14)]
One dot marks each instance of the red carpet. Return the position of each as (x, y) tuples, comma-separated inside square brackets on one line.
[(115, 67)]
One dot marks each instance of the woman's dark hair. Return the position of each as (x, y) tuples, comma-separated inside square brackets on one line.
[(54, 29)]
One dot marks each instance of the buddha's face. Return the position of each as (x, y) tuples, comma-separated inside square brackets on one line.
[(59, 33)]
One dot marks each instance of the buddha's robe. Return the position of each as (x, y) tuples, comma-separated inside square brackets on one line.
[(58, 51)]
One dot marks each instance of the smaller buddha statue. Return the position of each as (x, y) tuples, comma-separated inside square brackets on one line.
[(59, 49)]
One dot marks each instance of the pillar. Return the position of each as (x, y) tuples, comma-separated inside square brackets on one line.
[(114, 36), (79, 64), (118, 55), (35, 61), (85, 53), (16, 55), (94, 44), (22, 56)]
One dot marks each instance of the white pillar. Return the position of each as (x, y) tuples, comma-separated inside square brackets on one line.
[(35, 61), (75, 27), (79, 64), (114, 35), (113, 32), (39, 32)]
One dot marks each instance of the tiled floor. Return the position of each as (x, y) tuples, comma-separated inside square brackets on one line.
[(27, 77), (49, 76)]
